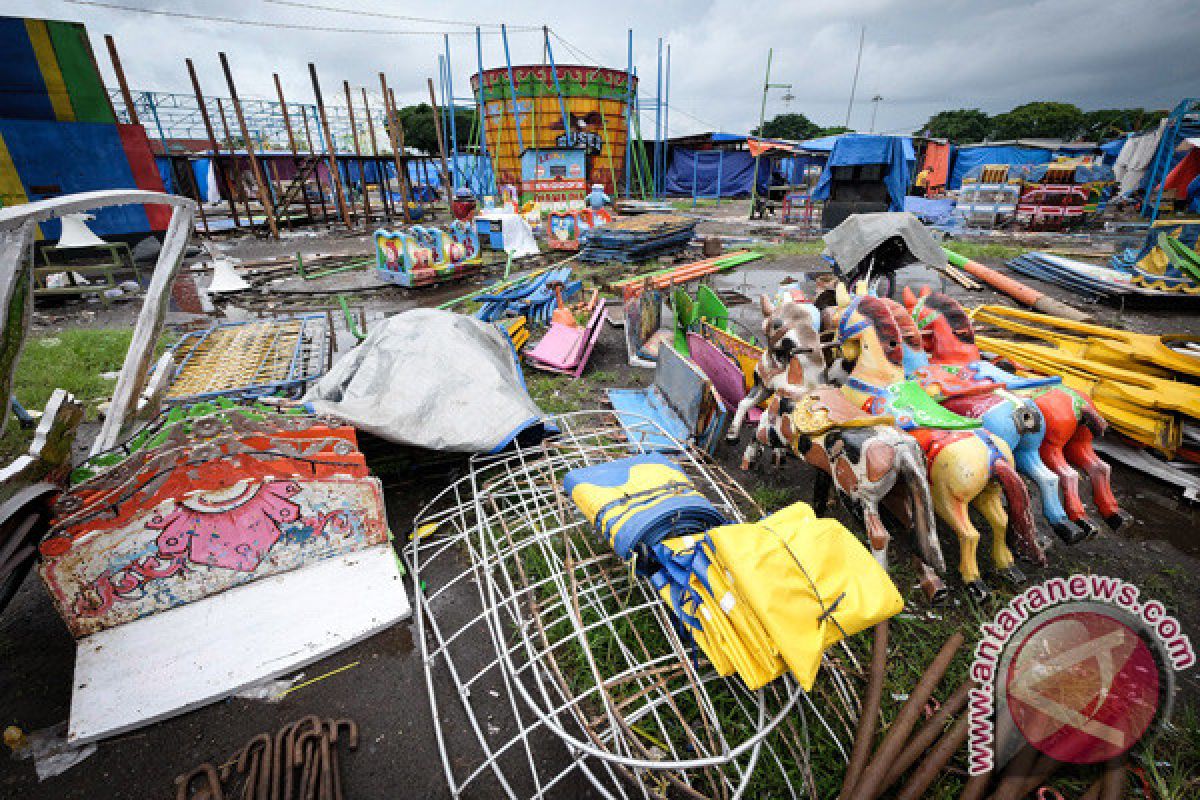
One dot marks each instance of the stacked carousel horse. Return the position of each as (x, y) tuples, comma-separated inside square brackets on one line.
[(865, 456), (1070, 419)]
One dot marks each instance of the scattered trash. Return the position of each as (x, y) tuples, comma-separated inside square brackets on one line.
[(52, 754)]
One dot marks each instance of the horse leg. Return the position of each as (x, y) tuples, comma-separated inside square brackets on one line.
[(989, 504), (877, 534), (757, 393), (1030, 464), (953, 511), (1079, 452), (822, 484), (1068, 479)]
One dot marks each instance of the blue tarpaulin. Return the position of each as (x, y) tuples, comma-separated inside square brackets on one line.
[(709, 173), (853, 150), (967, 158)]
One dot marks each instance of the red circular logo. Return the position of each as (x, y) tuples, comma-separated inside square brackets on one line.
[(1083, 687)]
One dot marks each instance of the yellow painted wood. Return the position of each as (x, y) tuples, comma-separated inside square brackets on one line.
[(56, 87)]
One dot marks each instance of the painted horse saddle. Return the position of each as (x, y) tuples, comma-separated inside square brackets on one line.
[(911, 406), (825, 408)]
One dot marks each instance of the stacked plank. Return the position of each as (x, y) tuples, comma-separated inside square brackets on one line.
[(633, 239)]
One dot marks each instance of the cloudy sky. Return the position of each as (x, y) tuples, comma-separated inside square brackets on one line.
[(920, 57)]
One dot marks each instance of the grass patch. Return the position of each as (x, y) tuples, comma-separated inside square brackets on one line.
[(684, 204), (557, 394), (73, 360), (978, 251), (772, 498), (808, 247)]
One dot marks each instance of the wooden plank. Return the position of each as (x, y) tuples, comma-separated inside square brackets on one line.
[(56, 88), (170, 663)]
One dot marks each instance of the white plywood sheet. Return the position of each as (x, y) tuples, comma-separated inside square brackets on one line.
[(177, 660)]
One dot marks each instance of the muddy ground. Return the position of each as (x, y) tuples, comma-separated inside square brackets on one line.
[(385, 690)]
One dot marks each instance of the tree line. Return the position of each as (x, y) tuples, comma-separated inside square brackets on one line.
[(1038, 120)]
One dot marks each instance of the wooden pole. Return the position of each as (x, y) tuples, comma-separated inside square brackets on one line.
[(441, 145), (255, 168), (396, 134), (237, 164), (212, 141), (334, 176), (125, 94), (287, 123), (316, 171), (362, 176), (384, 188)]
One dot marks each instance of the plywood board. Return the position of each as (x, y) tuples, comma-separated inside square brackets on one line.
[(219, 645)]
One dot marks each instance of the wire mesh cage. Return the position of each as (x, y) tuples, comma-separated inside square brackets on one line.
[(553, 669)]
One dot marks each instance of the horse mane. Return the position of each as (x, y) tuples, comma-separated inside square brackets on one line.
[(886, 329), (909, 331), (955, 314)]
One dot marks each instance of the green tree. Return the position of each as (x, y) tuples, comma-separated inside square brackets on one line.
[(789, 126), (834, 130), (962, 125), (1107, 123), (420, 133), (1044, 120)]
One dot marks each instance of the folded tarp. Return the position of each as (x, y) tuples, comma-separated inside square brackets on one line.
[(766, 596), (861, 234), (432, 379), (637, 501), (853, 150)]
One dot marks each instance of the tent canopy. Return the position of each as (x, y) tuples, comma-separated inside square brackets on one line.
[(713, 173), (968, 158), (851, 150)]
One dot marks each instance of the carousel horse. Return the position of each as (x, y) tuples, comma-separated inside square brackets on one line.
[(1014, 419), (968, 466), (1071, 421), (864, 456)]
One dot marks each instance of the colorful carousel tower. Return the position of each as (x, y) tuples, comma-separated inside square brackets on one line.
[(584, 110)]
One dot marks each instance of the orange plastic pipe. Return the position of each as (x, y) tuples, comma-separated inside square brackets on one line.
[(1025, 295)]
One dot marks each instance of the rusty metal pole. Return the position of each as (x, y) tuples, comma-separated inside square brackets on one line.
[(237, 164), (335, 177), (362, 176), (263, 195), (437, 129), (868, 720), (395, 132), (119, 70), (384, 188), (312, 151), (384, 184), (287, 123), (929, 769), (212, 141)]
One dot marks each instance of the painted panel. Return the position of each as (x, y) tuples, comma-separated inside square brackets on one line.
[(145, 171), (22, 87), (79, 71), (56, 158), (211, 538), (56, 87)]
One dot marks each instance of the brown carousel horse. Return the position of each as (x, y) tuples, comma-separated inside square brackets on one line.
[(864, 456), (968, 466)]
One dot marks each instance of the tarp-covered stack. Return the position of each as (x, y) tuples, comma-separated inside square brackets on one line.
[(633, 239)]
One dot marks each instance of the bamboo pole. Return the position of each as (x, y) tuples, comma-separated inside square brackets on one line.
[(334, 176), (362, 177), (255, 167), (395, 131), (212, 141), (287, 123), (237, 167)]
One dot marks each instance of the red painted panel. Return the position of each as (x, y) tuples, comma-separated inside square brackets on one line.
[(145, 172)]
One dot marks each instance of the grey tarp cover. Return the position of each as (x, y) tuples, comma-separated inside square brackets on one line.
[(431, 379), (853, 240)]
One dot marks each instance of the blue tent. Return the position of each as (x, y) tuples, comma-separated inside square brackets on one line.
[(968, 158), (713, 173), (852, 150)]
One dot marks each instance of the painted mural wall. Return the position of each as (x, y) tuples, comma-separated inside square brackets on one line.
[(595, 100)]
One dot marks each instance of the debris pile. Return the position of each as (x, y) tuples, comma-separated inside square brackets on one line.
[(640, 238)]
